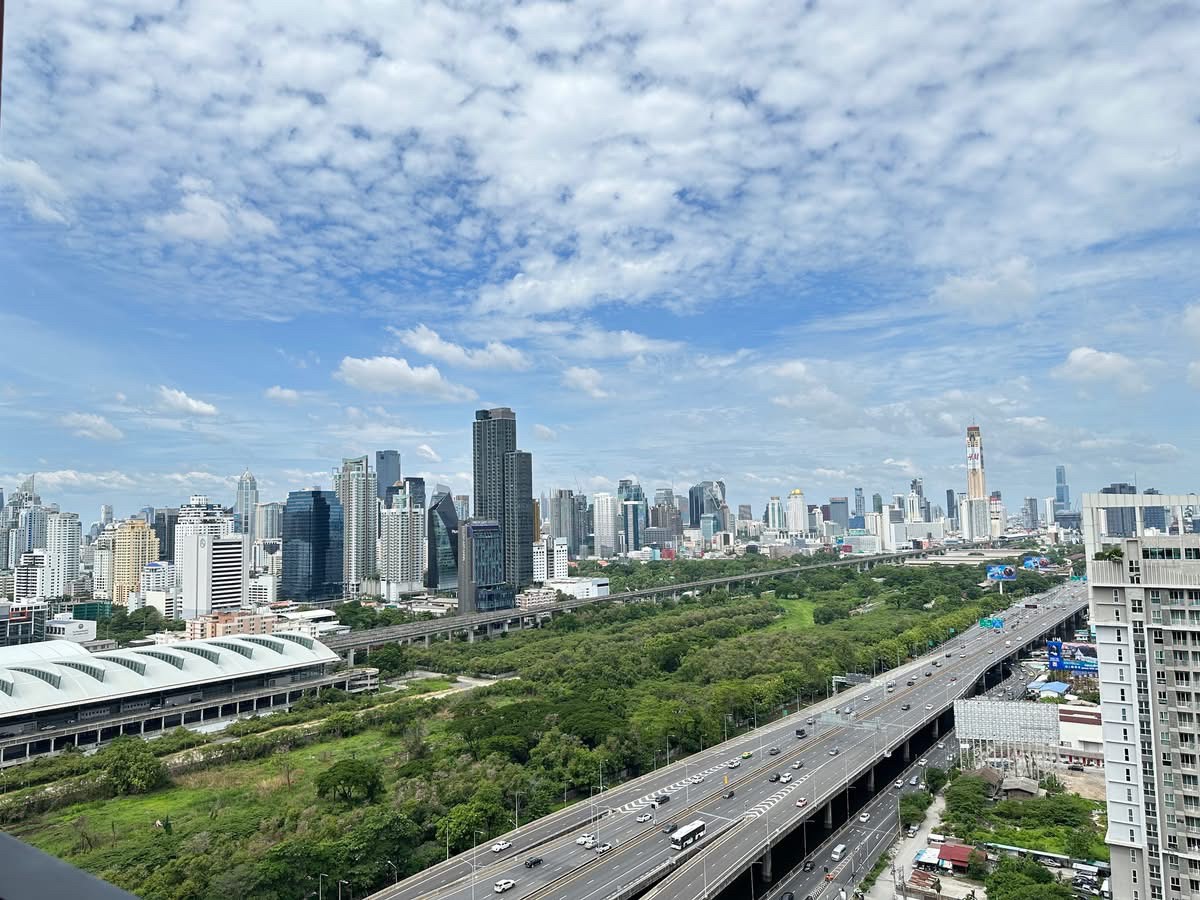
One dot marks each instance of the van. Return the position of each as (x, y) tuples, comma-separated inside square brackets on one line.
[(838, 852), (912, 831), (935, 839)]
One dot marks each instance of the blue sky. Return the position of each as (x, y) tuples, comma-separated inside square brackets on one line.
[(781, 244)]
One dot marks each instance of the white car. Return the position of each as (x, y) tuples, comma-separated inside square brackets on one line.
[(584, 838), (501, 846), (645, 817), (865, 817), (922, 762), (899, 783), (589, 844), (504, 884), (785, 777), (928, 707), (802, 802), (797, 764), (604, 848), (733, 764), (941, 745), (696, 779)]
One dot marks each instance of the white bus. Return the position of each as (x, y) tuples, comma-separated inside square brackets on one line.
[(687, 835)]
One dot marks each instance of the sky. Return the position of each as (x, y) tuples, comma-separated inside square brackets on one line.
[(783, 244)]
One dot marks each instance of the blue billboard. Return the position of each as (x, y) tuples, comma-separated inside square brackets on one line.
[(1036, 562), (992, 622), (1072, 656), (1002, 573)]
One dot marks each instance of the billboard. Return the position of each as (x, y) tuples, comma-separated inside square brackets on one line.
[(1002, 573), (1036, 562), (1072, 656), (992, 622)]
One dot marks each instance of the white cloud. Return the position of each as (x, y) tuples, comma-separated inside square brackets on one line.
[(545, 433), (591, 342), (1005, 292), (45, 199), (426, 452), (175, 400), (1086, 365), (588, 380), (92, 426), (494, 355), (906, 466), (281, 394), (201, 217), (393, 375)]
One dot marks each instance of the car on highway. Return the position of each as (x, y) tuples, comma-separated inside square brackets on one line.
[(604, 848), (914, 781), (928, 707), (899, 782), (941, 745), (910, 682), (501, 846), (733, 764), (584, 838), (810, 721), (798, 764), (848, 710), (662, 798), (906, 706), (937, 663), (774, 751), (808, 866), (504, 884), (590, 845), (834, 751), (696, 779), (866, 699), (728, 795), (785, 778), (669, 827), (991, 650), (922, 762), (802, 802), (747, 754), (533, 861), (928, 674), (865, 817), (774, 777), (644, 817)]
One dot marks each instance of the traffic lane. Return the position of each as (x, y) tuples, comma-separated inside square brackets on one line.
[(767, 734)]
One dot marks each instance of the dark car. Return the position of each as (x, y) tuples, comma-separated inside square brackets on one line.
[(801, 733), (906, 706), (662, 798), (774, 776), (533, 861), (928, 674), (808, 866), (774, 751), (787, 895), (669, 827), (728, 795), (911, 682)]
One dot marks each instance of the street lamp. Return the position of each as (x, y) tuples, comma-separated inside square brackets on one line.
[(474, 856), (320, 885), (516, 810), (395, 869), (340, 883)]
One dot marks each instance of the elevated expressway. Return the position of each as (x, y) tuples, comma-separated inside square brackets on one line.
[(742, 831)]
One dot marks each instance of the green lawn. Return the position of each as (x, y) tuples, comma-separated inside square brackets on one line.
[(797, 614)]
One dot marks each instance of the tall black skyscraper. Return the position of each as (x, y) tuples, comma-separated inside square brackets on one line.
[(951, 504), (441, 571), (1120, 521), (312, 546), (1062, 491), (164, 524), (482, 586), (416, 490), (860, 503), (503, 489), (387, 471)]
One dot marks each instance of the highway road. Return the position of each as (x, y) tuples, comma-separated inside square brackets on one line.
[(741, 827), (865, 841)]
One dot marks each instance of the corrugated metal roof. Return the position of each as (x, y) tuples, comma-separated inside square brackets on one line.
[(50, 674)]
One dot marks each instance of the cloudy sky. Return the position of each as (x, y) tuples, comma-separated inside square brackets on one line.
[(785, 244)]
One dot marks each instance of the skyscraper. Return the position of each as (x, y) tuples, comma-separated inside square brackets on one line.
[(606, 519), (1119, 520), (1062, 491), (106, 514), (628, 489), (268, 521), (1030, 512), (745, 512), (860, 502), (198, 516), (313, 544), (414, 486), (503, 485), (951, 504), (134, 545), (462, 507), (664, 495), (976, 483), (562, 519), (774, 515), (165, 521), (631, 525), (63, 536), (797, 512), (215, 573), (402, 547), (839, 511), (877, 503), (1155, 516), (481, 580), (357, 491), (244, 506), (441, 571), (387, 471)]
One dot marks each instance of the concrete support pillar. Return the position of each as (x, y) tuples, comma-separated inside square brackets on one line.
[(470, 635), (766, 866), (428, 640), (937, 731), (871, 780), (907, 751), (829, 814), (350, 657)]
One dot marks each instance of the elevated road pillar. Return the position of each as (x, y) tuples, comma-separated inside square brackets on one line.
[(908, 751), (350, 657), (871, 780), (766, 866), (937, 731)]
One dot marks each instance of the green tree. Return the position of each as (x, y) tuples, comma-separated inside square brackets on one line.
[(913, 807), (977, 865), (1079, 844), (935, 779), (351, 781), (391, 660), (131, 766), (1052, 785), (340, 724), (1023, 879)]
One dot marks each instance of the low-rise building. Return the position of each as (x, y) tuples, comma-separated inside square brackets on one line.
[(581, 588), (23, 622), (63, 627)]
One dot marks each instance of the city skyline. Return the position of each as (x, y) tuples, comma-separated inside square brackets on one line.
[(742, 254)]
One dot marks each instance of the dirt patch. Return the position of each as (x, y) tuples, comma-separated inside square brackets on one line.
[(1089, 785)]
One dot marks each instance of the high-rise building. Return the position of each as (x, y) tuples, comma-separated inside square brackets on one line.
[(774, 515), (562, 519), (549, 560), (31, 577), (976, 483), (481, 581), (518, 519), (23, 623), (1155, 516), (705, 497), (503, 485), (441, 571), (103, 564), (414, 486), (839, 511), (1119, 520), (157, 576), (664, 495), (357, 491), (583, 525), (628, 489), (165, 520), (134, 545), (913, 508), (666, 516), (214, 575), (951, 504), (462, 507), (387, 471), (797, 512), (877, 503), (606, 524), (631, 525), (402, 547), (244, 506), (198, 516), (745, 512), (64, 534), (268, 521), (1030, 513), (537, 518), (1139, 600), (860, 503), (106, 514), (313, 544), (1062, 491)]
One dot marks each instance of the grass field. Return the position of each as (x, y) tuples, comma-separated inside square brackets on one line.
[(798, 614)]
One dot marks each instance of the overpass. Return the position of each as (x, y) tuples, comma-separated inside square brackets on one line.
[(502, 621), (853, 738)]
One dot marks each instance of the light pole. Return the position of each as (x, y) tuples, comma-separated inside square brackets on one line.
[(395, 869), (340, 883), (320, 885), (516, 810), (474, 854)]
